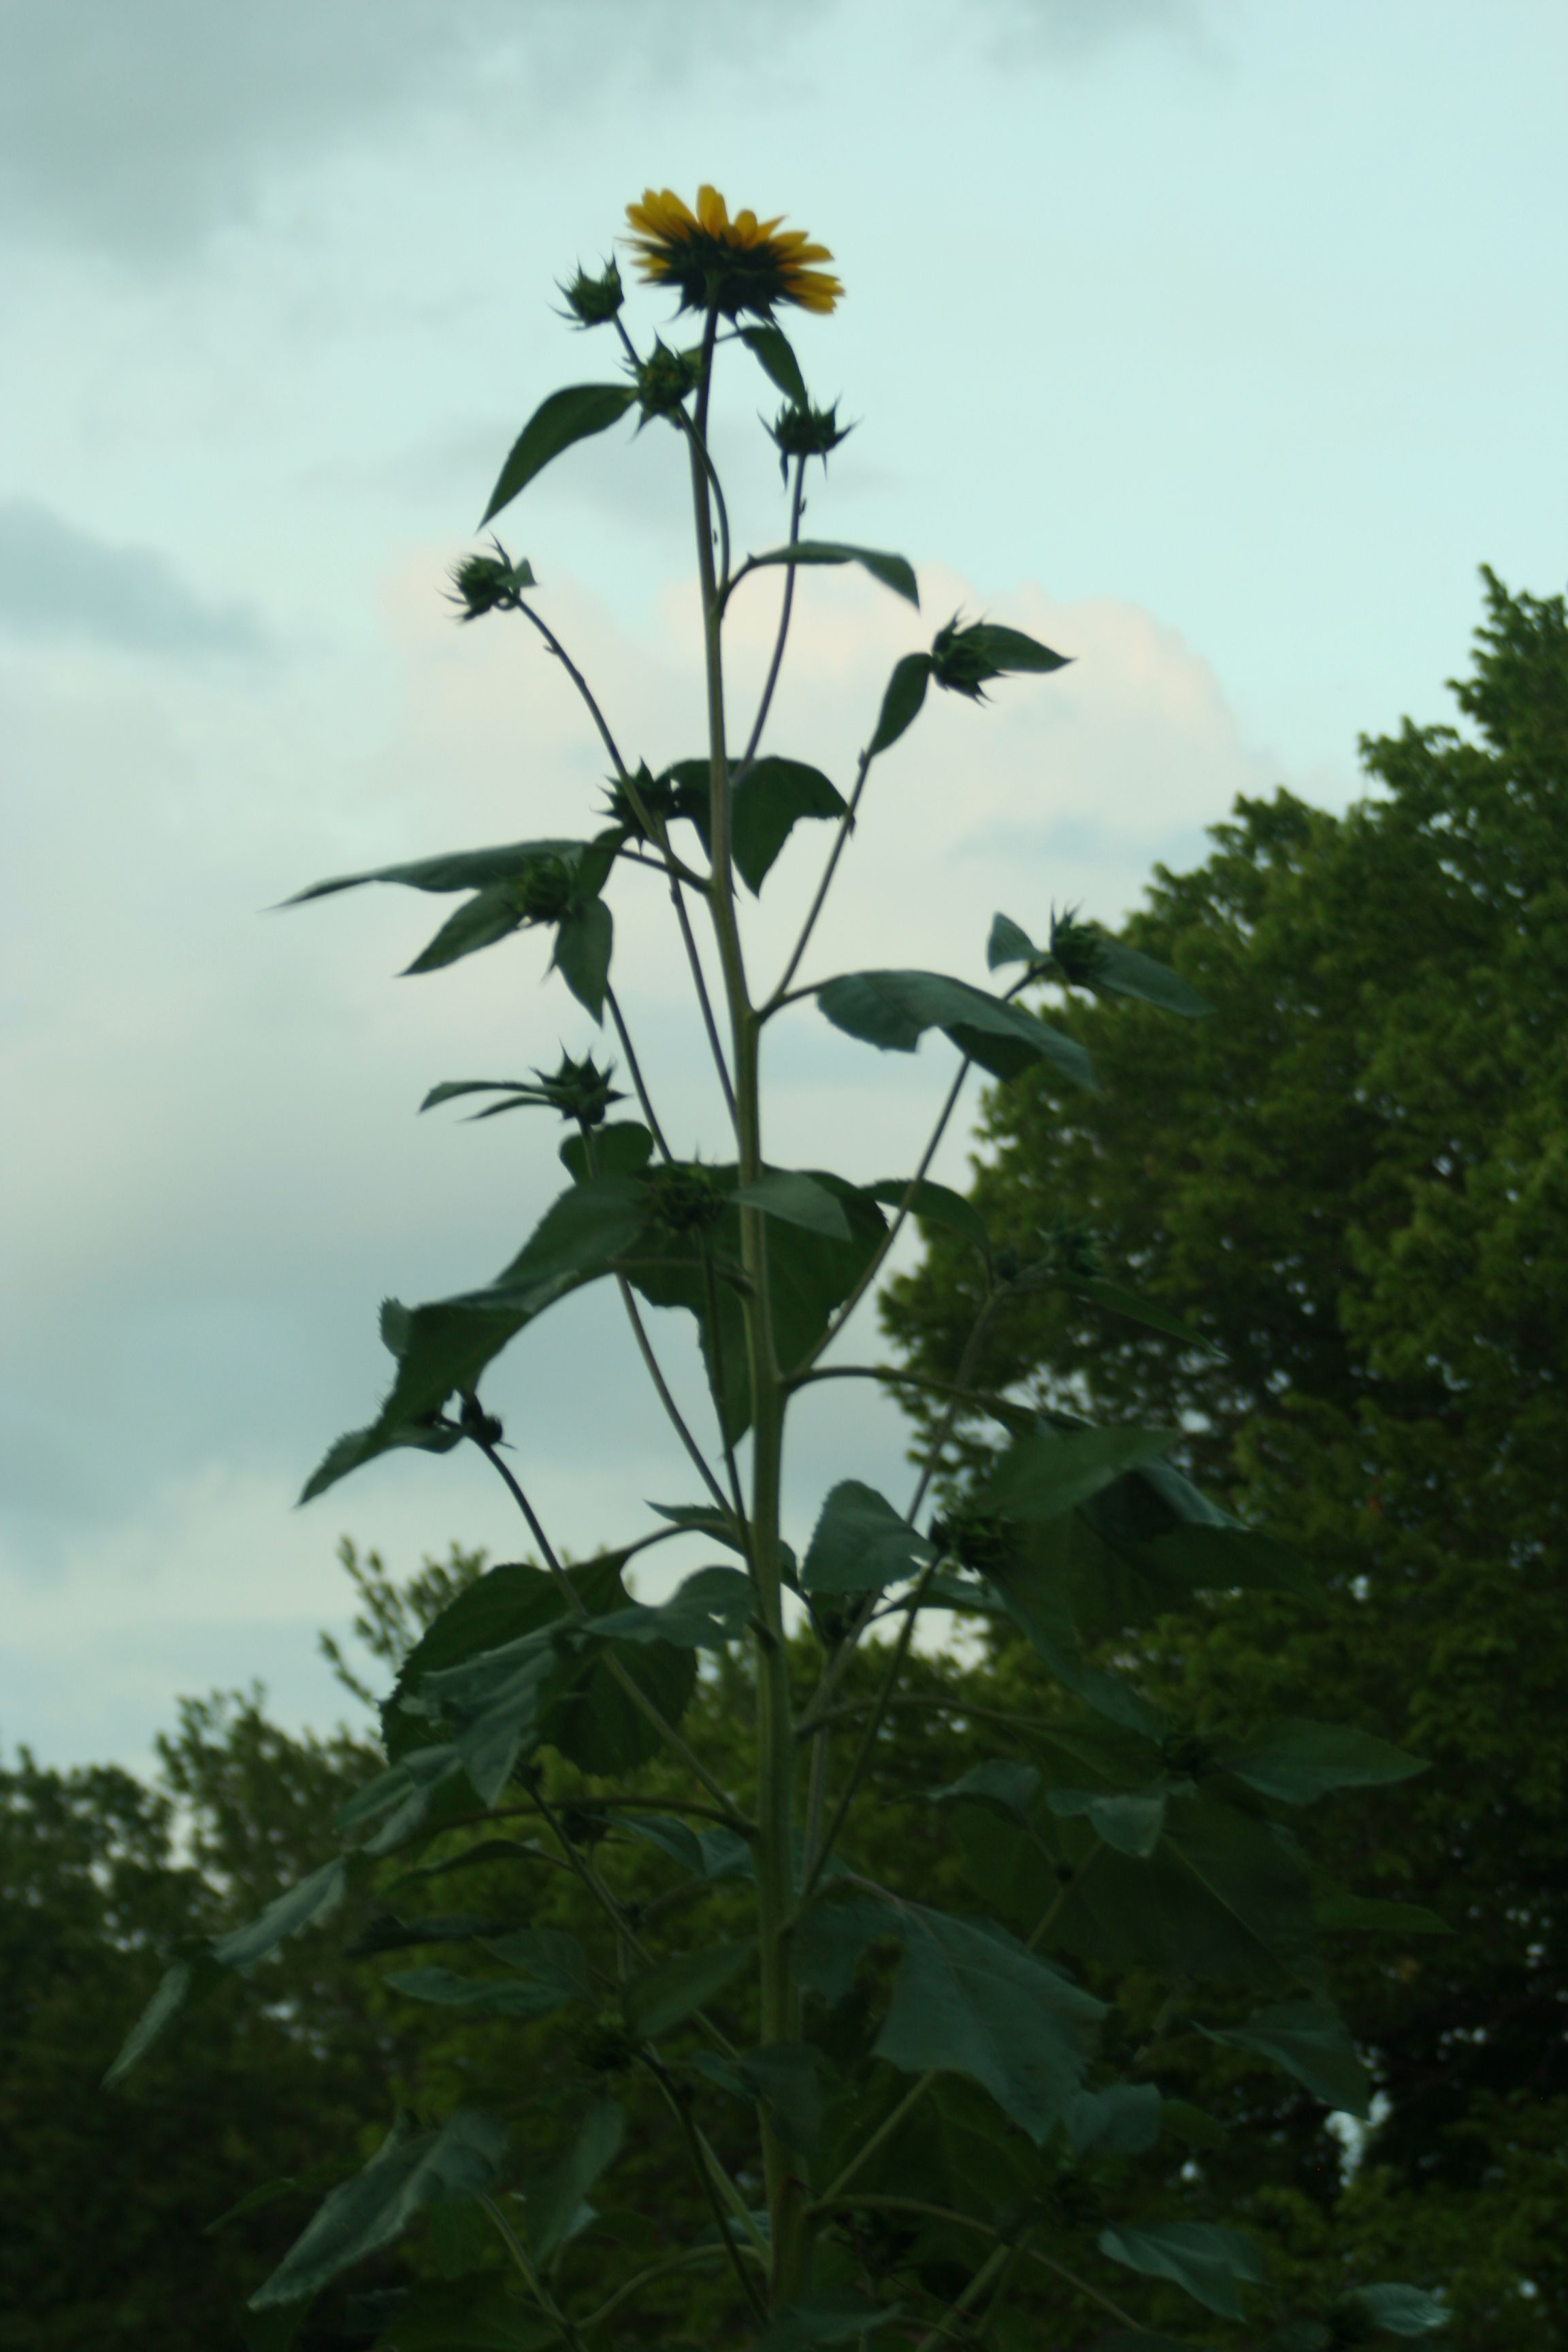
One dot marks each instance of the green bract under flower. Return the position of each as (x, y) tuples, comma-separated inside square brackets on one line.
[(801, 430), (595, 301)]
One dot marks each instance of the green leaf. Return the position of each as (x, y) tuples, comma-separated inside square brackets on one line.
[(1117, 1299), (934, 1204), (1009, 944), (1298, 1762), (622, 1149), (1035, 1598), (861, 1543), (893, 1010), (551, 1955), (297, 1906), (798, 1199), (825, 2319), (901, 703), (1309, 2040), (1042, 1476), (466, 2315), (892, 570), (1132, 1824), (1127, 971), (564, 417), (1342, 1914), (1003, 649), (409, 2171), (1157, 1521), (389, 1934), (483, 1996), (1122, 2120), (490, 915), (969, 2000), (1010, 1787), (456, 869), (661, 1996), (1207, 2261), (783, 2076), (709, 1611), (771, 798), (706, 1854), (770, 346), (554, 2206), (1398, 2310), (187, 1981), (828, 1940), (1224, 1896), (583, 939), (703, 1518)]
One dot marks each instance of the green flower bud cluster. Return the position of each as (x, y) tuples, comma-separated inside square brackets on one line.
[(543, 893), (687, 1199), (1077, 948), (579, 1090), (802, 430), (490, 583), (667, 379), (595, 301), (962, 659)]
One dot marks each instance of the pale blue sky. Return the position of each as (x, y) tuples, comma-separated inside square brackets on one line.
[(1223, 338)]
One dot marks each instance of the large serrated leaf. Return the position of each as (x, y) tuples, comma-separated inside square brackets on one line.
[(409, 2171), (970, 2000), (861, 1543)]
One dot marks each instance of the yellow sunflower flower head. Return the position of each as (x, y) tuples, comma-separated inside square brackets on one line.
[(730, 266)]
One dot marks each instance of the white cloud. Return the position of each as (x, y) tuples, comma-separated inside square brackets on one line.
[(59, 582)]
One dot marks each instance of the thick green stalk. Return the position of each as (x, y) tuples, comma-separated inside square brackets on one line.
[(776, 1732)]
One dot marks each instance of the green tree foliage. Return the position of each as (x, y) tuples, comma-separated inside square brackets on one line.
[(1353, 1180)]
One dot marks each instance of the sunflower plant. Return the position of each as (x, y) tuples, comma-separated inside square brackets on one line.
[(898, 2118)]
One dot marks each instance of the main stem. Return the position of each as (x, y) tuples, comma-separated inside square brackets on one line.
[(776, 1732)]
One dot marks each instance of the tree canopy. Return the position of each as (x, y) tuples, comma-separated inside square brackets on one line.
[(1352, 1180)]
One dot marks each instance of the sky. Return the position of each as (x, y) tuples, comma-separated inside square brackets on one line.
[(1215, 341)]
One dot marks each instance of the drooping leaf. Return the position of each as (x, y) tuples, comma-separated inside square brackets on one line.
[(1209, 2262), (770, 800), (661, 1996), (299, 1906), (969, 2000), (709, 1611), (861, 1543), (180, 1984), (905, 691), (1122, 2120), (713, 1854), (1046, 1475), (893, 1010), (1038, 1602), (893, 571), (1112, 969), (569, 415), (553, 2199), (1398, 2310), (1298, 1761), (480, 1996), (1224, 1896), (1158, 1521), (703, 1518), (825, 2319), (408, 2172), (1342, 1914), (584, 938), (480, 922), (1309, 2039), (1132, 1823), (771, 349), (798, 1199), (1003, 650), (1010, 1787), (935, 1205), (458, 869), (465, 2314), (1117, 1299)]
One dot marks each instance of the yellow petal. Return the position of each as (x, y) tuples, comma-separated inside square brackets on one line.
[(712, 210)]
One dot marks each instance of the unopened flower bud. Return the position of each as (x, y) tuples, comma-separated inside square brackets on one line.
[(593, 302), (802, 431), (667, 379), (490, 583)]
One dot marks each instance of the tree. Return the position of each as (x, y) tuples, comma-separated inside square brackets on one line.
[(1353, 1180)]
